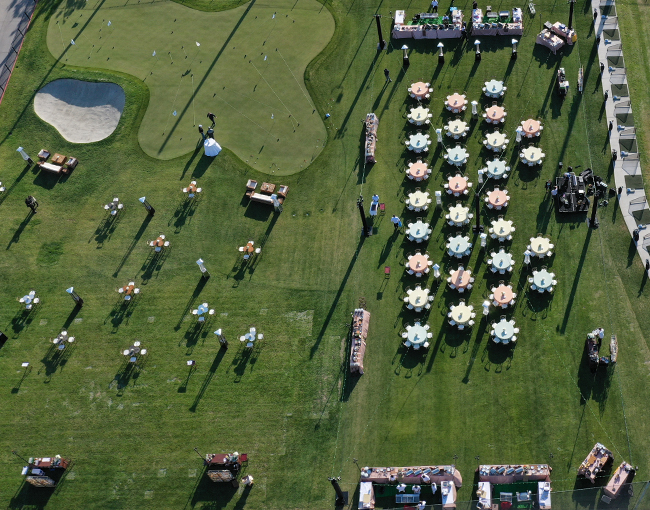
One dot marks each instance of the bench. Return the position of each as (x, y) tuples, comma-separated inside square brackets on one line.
[(258, 197), (49, 167)]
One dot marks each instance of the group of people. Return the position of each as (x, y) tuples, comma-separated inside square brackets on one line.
[(210, 133)]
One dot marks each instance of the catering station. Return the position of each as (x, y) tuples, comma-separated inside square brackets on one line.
[(413, 483), (596, 461), (427, 25), (571, 194), (623, 476), (514, 484), (497, 23), (45, 471), (556, 35), (224, 467), (360, 323), (372, 125)]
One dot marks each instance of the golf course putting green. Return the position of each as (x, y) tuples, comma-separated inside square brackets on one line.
[(245, 65), (81, 111)]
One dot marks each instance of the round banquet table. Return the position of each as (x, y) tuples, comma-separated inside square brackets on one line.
[(419, 89), (418, 230), (416, 334), (493, 88), (457, 155), (502, 261), (496, 139), (495, 113), (503, 295), (417, 299), (533, 154), (461, 283), (543, 279), (457, 184), (458, 245), (456, 102), (457, 128), (418, 141), (502, 228), (458, 214), (461, 314), (496, 168), (497, 197), (504, 330), (418, 170), (419, 114), (531, 127), (418, 198), (540, 245), (420, 259)]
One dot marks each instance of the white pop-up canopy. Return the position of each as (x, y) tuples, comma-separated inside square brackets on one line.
[(211, 147)]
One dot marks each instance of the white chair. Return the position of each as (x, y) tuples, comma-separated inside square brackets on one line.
[(258, 250), (127, 298), (143, 352), (241, 248), (166, 244), (136, 291), (249, 345)]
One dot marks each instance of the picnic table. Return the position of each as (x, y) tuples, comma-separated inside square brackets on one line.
[(494, 88), (458, 215), (127, 290), (418, 231), (531, 128), (418, 171), (457, 156), (497, 169), (497, 199), (192, 189), (457, 129), (459, 246), (501, 262), (495, 114), (532, 156)]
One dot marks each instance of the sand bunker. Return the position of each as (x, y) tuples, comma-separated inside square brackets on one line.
[(82, 111)]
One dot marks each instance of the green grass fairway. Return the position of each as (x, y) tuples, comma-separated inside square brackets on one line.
[(290, 403), (249, 71)]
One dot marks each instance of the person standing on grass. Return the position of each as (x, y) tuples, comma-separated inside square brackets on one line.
[(434, 6), (211, 117), (201, 132), (31, 202), (397, 223), (387, 75)]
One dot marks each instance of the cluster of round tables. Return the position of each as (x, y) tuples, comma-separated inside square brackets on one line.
[(418, 201), (418, 142), (457, 185), (459, 215), (418, 171), (418, 264), (532, 156), (418, 231), (419, 115), (531, 128), (503, 295), (494, 88), (496, 141), (501, 262), (457, 129), (417, 299), (543, 281), (419, 90), (459, 246), (497, 169), (540, 247), (495, 114), (497, 198), (504, 331), (457, 156), (501, 229)]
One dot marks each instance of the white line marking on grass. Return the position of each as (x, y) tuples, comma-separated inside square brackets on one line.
[(162, 472), (43, 322)]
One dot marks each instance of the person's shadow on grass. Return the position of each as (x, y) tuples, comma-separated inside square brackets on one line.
[(21, 227)]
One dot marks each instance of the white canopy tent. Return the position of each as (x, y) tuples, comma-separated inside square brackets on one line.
[(211, 147)]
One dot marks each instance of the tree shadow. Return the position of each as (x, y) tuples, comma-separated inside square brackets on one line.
[(206, 380), (133, 244), (16, 237)]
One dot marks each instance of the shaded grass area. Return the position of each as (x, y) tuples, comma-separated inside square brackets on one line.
[(289, 403)]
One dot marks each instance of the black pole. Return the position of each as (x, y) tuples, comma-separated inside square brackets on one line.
[(593, 223), (571, 3), (16, 454), (366, 231), (340, 497), (478, 228), (196, 449), (382, 43)]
